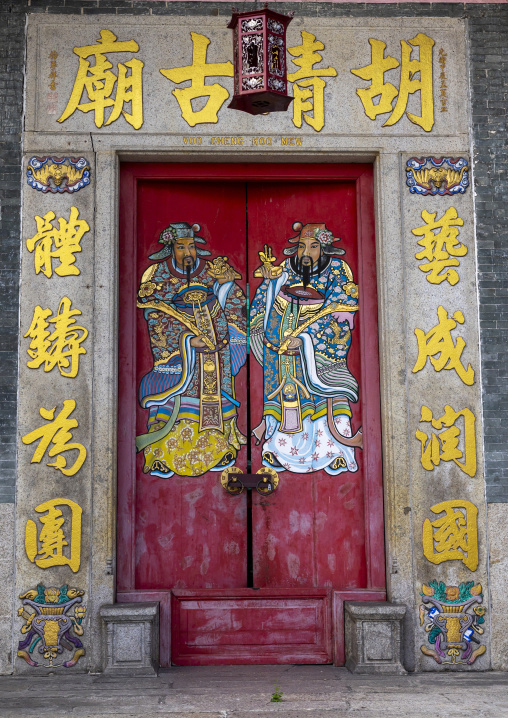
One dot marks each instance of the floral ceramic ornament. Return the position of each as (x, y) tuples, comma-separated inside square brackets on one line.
[(50, 629), (455, 621), (58, 174)]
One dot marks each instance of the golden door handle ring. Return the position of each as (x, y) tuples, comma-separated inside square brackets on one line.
[(268, 483), (231, 482)]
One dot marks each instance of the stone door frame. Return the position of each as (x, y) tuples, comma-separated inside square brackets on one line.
[(409, 491), (107, 152)]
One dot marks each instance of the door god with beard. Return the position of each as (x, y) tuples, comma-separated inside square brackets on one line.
[(302, 322), (196, 319)]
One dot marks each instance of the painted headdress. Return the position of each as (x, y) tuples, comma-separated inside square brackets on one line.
[(179, 230), (319, 232)]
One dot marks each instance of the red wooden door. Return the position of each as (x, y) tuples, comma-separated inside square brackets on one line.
[(312, 531), (248, 578), (182, 524)]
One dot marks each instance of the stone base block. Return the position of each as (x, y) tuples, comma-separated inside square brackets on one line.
[(374, 637), (132, 638)]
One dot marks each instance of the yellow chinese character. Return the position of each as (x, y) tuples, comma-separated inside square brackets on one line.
[(57, 433), (52, 539), (387, 92), (308, 88), (455, 535), (440, 244), (61, 243), (197, 73), (62, 345), (99, 82), (445, 446), (53, 55), (438, 341)]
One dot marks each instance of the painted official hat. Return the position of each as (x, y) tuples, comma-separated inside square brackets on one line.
[(179, 230), (318, 231)]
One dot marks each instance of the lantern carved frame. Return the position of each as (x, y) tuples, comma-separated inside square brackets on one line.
[(260, 63)]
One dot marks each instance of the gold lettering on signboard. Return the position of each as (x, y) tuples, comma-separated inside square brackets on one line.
[(58, 434), (452, 536), (415, 77), (58, 532), (197, 73)]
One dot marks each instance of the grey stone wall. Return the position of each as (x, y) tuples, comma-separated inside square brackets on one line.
[(488, 26), (12, 53), (489, 82)]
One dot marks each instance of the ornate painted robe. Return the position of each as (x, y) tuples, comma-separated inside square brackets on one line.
[(190, 392), (298, 383)]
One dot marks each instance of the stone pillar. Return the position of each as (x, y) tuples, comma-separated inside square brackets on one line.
[(374, 637), (132, 638)]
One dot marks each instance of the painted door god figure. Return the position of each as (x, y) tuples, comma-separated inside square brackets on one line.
[(195, 314), (302, 319)]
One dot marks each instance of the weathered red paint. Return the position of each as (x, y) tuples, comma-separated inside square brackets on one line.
[(339, 597), (251, 626), (188, 533), (163, 598), (179, 647), (311, 531), (315, 533)]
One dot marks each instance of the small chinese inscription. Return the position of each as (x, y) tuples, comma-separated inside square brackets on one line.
[(52, 70), (443, 87), (52, 96)]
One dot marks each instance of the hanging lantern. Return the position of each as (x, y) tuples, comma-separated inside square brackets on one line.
[(259, 47)]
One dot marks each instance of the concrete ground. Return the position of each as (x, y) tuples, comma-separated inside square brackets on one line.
[(245, 692)]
